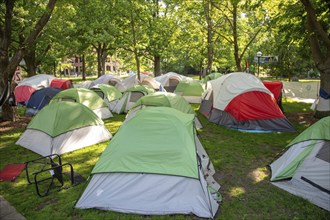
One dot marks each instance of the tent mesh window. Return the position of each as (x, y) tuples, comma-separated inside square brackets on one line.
[(100, 93), (112, 82), (173, 82), (324, 152), (135, 96)]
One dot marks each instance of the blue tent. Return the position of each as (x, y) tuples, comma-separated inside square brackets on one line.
[(40, 99)]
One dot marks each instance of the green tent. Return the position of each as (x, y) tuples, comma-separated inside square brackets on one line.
[(62, 127), (304, 168), (155, 165), (108, 93), (190, 90), (212, 76), (166, 100), (86, 97), (125, 154), (130, 96)]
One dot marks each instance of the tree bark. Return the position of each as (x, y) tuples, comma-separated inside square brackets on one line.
[(30, 62), (210, 49), (235, 36), (136, 54), (157, 65), (83, 67)]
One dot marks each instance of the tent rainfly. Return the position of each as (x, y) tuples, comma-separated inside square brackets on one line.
[(164, 99), (241, 101), (40, 99), (192, 91), (63, 127), (158, 174), (86, 97), (108, 93), (304, 169), (61, 83), (130, 97)]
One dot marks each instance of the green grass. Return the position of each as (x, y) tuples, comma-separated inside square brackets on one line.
[(241, 161)]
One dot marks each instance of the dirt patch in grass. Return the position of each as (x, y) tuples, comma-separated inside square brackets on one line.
[(306, 118), (46, 203), (20, 122)]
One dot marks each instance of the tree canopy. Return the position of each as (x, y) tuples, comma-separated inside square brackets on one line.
[(193, 37)]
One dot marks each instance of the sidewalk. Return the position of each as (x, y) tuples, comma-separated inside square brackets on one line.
[(8, 212)]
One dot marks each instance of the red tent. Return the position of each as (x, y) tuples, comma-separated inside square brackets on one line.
[(241, 101), (61, 83)]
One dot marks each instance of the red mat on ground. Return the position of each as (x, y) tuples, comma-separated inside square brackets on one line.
[(11, 171)]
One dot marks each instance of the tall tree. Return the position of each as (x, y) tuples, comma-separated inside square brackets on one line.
[(319, 41), (245, 20), (7, 65)]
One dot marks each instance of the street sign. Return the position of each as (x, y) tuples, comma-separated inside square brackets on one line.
[(266, 59)]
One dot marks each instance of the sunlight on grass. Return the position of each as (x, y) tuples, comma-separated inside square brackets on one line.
[(259, 174), (236, 191)]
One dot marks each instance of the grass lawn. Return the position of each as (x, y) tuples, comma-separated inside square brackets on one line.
[(240, 159)]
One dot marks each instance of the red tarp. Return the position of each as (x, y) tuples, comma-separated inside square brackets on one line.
[(61, 83), (275, 87), (253, 106), (11, 171)]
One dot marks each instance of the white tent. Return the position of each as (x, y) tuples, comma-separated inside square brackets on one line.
[(108, 79), (150, 82), (170, 80), (127, 83)]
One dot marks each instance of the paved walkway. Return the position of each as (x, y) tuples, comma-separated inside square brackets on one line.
[(8, 212)]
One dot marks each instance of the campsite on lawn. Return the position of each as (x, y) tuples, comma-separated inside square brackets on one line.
[(164, 109), (241, 161)]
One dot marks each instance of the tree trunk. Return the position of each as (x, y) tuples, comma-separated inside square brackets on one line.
[(210, 49), (317, 36), (30, 62), (136, 54), (83, 67), (235, 36), (104, 57), (54, 72), (157, 65)]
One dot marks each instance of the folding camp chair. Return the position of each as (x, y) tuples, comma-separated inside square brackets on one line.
[(49, 166)]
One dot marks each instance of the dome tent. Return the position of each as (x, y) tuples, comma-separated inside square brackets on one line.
[(132, 172), (170, 80), (63, 127), (164, 99), (192, 91), (130, 96), (241, 101), (40, 99), (108, 93), (86, 97), (108, 79), (304, 168)]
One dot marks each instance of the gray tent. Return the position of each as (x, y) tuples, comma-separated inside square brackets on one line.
[(304, 169)]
